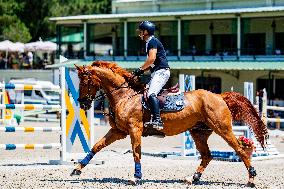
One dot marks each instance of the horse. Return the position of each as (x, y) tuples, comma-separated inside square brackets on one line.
[(204, 113)]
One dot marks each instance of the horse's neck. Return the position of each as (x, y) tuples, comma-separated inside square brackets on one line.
[(115, 91)]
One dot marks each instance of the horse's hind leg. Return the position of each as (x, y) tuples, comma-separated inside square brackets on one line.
[(112, 136), (200, 135), (233, 142), (223, 128)]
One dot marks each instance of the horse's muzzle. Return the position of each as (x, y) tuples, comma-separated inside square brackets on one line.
[(85, 103)]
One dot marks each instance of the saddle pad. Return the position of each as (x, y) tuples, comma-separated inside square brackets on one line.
[(173, 103)]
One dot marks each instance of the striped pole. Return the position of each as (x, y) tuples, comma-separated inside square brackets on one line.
[(30, 107), (11, 129), (42, 119), (3, 102), (21, 87), (30, 146)]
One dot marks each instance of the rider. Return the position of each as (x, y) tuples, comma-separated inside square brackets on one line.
[(160, 71)]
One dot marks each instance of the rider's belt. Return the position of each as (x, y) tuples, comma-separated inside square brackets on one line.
[(163, 69)]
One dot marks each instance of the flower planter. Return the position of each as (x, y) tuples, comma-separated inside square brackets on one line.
[(249, 151)]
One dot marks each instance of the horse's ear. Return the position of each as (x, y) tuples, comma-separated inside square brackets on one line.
[(78, 68)]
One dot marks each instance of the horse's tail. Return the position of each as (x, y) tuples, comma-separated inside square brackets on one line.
[(242, 109)]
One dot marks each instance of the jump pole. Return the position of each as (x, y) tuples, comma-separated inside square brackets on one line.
[(188, 149)]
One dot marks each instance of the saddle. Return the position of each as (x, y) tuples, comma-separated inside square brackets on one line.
[(168, 102)]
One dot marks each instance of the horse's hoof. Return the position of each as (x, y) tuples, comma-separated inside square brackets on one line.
[(134, 181), (76, 172), (196, 177), (188, 180), (251, 185)]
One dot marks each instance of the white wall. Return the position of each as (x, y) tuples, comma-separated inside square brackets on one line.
[(46, 75), (135, 6)]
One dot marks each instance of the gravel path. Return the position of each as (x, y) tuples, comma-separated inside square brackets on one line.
[(30, 169)]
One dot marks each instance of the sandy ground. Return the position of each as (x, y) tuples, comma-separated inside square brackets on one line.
[(31, 168)]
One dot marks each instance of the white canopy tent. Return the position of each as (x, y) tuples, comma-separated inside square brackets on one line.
[(45, 46), (38, 46), (9, 46)]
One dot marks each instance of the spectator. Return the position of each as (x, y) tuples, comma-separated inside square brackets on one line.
[(31, 58), (278, 52), (193, 50), (2, 62), (14, 62), (26, 62), (45, 59), (69, 53), (81, 53)]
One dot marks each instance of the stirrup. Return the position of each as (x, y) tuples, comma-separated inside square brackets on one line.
[(158, 126), (155, 125)]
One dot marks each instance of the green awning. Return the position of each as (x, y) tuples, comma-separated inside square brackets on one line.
[(194, 65), (71, 38)]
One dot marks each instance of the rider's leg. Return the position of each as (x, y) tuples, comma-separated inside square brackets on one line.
[(159, 79), (155, 111)]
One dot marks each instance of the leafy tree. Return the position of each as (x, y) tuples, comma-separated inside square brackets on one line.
[(79, 7), (22, 20), (17, 32), (11, 27), (35, 14)]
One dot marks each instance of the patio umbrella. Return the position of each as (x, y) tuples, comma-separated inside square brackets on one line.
[(17, 47), (31, 46), (45, 46), (9, 46)]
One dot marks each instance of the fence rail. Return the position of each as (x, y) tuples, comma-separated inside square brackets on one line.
[(21, 87)]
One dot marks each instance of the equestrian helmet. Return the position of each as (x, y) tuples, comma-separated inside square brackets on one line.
[(147, 25)]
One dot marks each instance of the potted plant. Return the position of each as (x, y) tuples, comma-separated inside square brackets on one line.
[(247, 144)]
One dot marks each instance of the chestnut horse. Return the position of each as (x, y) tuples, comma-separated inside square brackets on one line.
[(204, 113)]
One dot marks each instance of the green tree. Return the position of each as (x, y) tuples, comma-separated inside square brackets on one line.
[(78, 7), (24, 20), (17, 32), (35, 14), (11, 27)]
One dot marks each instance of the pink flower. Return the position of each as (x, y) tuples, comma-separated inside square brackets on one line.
[(246, 142)]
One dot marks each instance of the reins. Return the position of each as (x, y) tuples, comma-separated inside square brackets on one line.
[(90, 96)]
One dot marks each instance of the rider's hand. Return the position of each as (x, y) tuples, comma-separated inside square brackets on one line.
[(138, 72)]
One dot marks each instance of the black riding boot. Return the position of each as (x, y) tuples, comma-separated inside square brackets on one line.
[(154, 105)]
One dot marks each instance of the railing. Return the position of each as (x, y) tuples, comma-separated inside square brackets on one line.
[(229, 54)]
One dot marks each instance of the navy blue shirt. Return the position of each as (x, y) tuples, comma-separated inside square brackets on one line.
[(161, 59)]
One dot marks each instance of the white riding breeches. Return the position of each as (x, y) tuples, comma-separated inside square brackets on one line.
[(158, 79)]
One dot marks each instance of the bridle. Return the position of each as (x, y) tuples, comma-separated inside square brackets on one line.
[(88, 98)]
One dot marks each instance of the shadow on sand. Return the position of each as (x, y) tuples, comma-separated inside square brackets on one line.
[(144, 181)]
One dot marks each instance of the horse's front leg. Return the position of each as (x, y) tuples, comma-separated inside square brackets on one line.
[(135, 135), (110, 137)]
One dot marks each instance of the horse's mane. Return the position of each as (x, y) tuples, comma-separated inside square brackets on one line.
[(132, 81)]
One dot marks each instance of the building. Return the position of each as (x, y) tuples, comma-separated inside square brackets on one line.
[(223, 42)]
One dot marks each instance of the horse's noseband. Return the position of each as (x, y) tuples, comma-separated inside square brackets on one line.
[(86, 98), (86, 101)]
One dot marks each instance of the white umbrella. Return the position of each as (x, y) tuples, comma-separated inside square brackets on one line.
[(17, 47), (9, 46), (45, 46), (48, 46), (5, 45), (31, 46)]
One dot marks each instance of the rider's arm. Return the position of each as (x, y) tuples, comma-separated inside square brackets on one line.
[(150, 59)]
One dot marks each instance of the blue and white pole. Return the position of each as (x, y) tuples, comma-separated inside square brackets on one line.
[(187, 83)]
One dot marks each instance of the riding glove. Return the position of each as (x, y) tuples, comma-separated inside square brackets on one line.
[(138, 72)]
